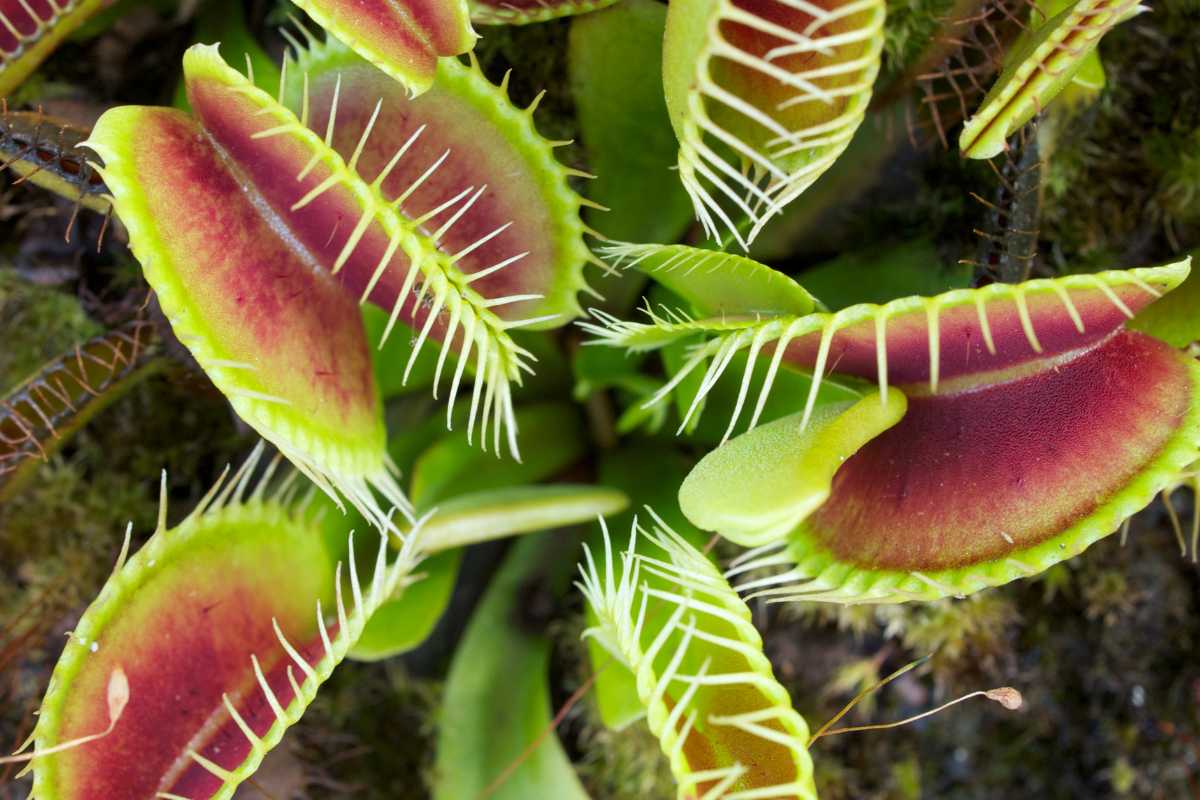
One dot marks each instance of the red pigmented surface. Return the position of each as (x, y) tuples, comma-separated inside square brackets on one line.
[(184, 638), (531, 7), (479, 156), (767, 92), (321, 228), (410, 34), (1025, 459), (962, 349), (16, 13), (258, 295)]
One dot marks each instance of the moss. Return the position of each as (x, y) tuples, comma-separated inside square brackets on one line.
[(613, 765), (912, 25), (371, 731), (37, 324), (1118, 183)]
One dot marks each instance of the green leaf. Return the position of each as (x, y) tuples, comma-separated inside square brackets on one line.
[(1176, 318), (497, 513), (885, 273), (715, 283), (401, 625), (613, 58), (497, 700), (759, 486), (480, 496), (454, 467)]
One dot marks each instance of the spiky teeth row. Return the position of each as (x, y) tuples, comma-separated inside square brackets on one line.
[(31, 29), (223, 627), (764, 96), (728, 727)]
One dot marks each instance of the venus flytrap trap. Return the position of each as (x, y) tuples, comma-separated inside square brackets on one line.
[(229, 622), (764, 96), (311, 391), (495, 238), (725, 723), (1039, 380), (40, 415), (31, 29), (224, 627), (229, 280), (404, 39), (524, 12), (1043, 62)]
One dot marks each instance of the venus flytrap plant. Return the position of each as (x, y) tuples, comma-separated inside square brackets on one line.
[(725, 723), (496, 240), (266, 244), (1039, 381), (403, 38), (30, 30), (1043, 62), (225, 626), (764, 96)]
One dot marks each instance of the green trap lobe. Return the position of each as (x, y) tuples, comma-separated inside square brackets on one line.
[(183, 619), (973, 476), (404, 38), (463, 135)]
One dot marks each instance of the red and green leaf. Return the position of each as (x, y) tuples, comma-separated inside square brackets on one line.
[(523, 12), (1000, 481), (30, 30), (1035, 424), (764, 96), (477, 231), (727, 726), (225, 626), (277, 335), (521, 236), (404, 38)]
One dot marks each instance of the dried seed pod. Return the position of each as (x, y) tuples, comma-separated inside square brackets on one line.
[(764, 96)]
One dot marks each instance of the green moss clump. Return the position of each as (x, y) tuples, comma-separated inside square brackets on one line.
[(38, 324), (1120, 184)]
